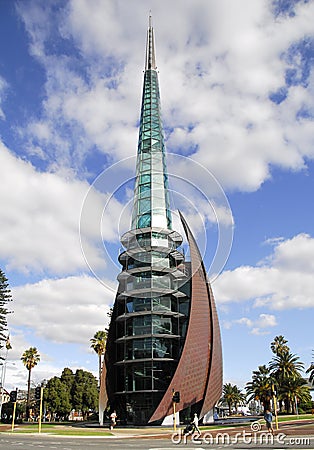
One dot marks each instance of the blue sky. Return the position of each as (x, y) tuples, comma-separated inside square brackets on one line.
[(237, 84)]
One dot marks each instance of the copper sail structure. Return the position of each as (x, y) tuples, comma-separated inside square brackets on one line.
[(164, 331)]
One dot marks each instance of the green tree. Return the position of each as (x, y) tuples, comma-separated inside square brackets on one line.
[(310, 370), (285, 368), (295, 389), (284, 373), (231, 395), (278, 346), (5, 297), (261, 386), (98, 343), (30, 359), (71, 391), (286, 365), (57, 397), (84, 392), (239, 397), (67, 377)]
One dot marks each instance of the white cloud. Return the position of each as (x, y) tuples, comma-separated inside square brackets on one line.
[(284, 281), (295, 254), (266, 320), (244, 321), (225, 114), (258, 326), (40, 218), (90, 100), (238, 131), (65, 310), (263, 322), (257, 331)]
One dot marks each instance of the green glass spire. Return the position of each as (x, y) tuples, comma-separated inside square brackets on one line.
[(151, 197)]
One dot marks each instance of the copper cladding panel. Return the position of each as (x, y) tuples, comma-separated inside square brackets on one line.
[(193, 370), (214, 383)]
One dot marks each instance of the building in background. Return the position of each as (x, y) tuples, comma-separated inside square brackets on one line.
[(164, 333)]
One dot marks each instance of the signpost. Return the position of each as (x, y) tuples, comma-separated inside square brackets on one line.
[(13, 397), (39, 390)]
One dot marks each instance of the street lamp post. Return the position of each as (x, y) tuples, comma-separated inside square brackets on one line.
[(275, 405), (3, 370)]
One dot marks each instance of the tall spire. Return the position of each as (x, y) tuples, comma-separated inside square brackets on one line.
[(150, 63), (151, 198)]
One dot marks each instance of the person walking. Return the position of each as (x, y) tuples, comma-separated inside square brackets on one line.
[(195, 424), (269, 419), (113, 420)]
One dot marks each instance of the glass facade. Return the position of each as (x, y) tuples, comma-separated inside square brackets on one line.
[(150, 320), (151, 199)]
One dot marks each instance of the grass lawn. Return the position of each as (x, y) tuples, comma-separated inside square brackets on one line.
[(300, 417), (61, 429)]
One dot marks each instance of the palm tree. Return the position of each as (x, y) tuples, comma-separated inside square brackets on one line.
[(285, 368), (285, 365), (278, 346), (239, 398), (98, 343), (260, 387), (231, 395), (295, 388), (310, 370), (30, 359)]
